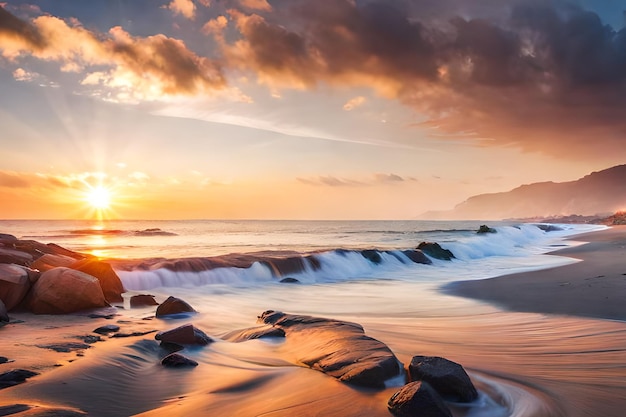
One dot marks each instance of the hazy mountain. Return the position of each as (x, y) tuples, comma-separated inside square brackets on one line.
[(597, 193)]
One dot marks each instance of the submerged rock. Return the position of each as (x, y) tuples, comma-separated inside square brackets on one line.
[(258, 332), (184, 335), (174, 305), (106, 329), (448, 378), (417, 399), (417, 256), (14, 377), (485, 229), (337, 348), (435, 250), (176, 360), (289, 280), (142, 300)]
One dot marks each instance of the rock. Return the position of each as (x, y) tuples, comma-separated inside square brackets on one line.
[(109, 328), (289, 280), (372, 255), (485, 229), (417, 399), (434, 250), (417, 256), (14, 284), (14, 377), (65, 347), (4, 317), (48, 261), (142, 300), (448, 378), (109, 281), (258, 332), (64, 290), (184, 335), (549, 227), (7, 238), (133, 334), (175, 360), (12, 256), (337, 348), (174, 305), (3, 359)]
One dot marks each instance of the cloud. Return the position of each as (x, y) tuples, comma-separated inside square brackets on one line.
[(21, 74), (256, 4), (134, 68), (542, 75), (183, 7), (388, 178), (332, 181), (354, 103)]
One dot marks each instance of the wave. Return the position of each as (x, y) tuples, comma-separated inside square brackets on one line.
[(340, 264), (117, 232)]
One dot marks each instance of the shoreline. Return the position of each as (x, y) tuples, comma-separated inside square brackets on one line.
[(593, 287)]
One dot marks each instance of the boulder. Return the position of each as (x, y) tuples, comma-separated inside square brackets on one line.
[(184, 335), (48, 261), (64, 290), (372, 255), (176, 360), (14, 284), (448, 378), (7, 238), (417, 399), (109, 281), (142, 300), (12, 256), (174, 305), (289, 280), (337, 348), (435, 250), (106, 329), (485, 229)]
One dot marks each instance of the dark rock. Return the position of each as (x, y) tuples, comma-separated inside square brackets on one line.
[(174, 305), (102, 316), (337, 348), (254, 333), (133, 334), (184, 335), (485, 229), (12, 256), (3, 359), (109, 328), (417, 399), (435, 250), (14, 284), (142, 300), (14, 377), (175, 360), (417, 256), (65, 347), (372, 255), (4, 316), (91, 339), (289, 280), (7, 410), (448, 378), (549, 227), (110, 283)]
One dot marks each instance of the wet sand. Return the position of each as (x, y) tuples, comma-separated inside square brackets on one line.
[(594, 287)]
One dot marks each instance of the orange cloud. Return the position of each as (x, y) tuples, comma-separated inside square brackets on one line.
[(256, 4), (183, 7)]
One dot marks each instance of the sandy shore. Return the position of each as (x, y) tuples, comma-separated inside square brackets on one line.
[(594, 287)]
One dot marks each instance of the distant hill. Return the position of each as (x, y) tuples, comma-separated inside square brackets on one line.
[(599, 193)]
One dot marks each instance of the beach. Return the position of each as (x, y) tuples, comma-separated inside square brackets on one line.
[(562, 355)]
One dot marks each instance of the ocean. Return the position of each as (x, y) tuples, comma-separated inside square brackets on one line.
[(524, 364)]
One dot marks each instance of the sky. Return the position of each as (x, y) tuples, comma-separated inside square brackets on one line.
[(301, 109)]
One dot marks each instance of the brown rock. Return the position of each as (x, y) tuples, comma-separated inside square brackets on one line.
[(48, 261), (258, 332), (184, 335), (448, 378), (109, 281), (174, 305), (176, 360), (12, 256), (417, 399), (14, 284), (142, 300), (64, 290)]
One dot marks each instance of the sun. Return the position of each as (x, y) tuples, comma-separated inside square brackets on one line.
[(99, 198)]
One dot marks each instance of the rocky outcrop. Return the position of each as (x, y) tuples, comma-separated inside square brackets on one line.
[(337, 348), (448, 378), (173, 305), (435, 250), (64, 290), (184, 335), (110, 283), (417, 256), (15, 282), (417, 399)]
